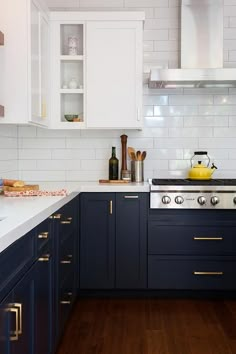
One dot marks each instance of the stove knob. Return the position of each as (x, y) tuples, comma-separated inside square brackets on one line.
[(166, 199), (215, 200), (179, 200), (201, 200)]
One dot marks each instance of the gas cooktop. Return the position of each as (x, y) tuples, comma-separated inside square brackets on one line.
[(189, 182), (193, 194)]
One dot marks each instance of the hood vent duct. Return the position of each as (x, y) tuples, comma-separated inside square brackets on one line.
[(201, 49)]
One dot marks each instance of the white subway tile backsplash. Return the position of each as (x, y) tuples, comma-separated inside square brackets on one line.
[(151, 100), (175, 110), (217, 110), (166, 46), (162, 23), (100, 3), (37, 154), (155, 35), (152, 122), (206, 121), (73, 154), (167, 12), (224, 143), (190, 132), (41, 143), (176, 143), (191, 100), (32, 176)]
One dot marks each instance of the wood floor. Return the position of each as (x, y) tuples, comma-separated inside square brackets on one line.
[(151, 326)]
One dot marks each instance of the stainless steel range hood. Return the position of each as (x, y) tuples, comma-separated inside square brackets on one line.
[(201, 49)]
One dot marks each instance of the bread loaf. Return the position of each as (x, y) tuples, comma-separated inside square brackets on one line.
[(13, 183)]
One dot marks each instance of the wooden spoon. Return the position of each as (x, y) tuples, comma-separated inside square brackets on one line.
[(132, 156), (138, 155), (131, 150), (143, 156)]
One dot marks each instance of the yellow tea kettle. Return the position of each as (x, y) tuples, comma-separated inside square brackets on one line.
[(200, 171)]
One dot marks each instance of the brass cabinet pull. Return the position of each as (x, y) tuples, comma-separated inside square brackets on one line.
[(67, 261), (44, 258), (208, 238), (56, 216), (14, 334), (67, 221), (111, 207), (19, 308), (208, 273), (65, 302), (131, 196), (43, 235)]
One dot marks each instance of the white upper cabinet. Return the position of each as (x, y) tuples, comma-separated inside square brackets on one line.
[(96, 61), (24, 82), (114, 74)]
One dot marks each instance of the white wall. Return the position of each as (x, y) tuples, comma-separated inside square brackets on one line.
[(8, 152), (177, 122)]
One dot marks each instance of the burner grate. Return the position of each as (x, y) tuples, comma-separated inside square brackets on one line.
[(188, 182)]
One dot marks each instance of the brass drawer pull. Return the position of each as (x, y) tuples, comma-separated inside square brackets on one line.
[(111, 207), (131, 196), (44, 258), (43, 235), (67, 221), (65, 262), (65, 302), (14, 334), (208, 238), (56, 216), (19, 308), (208, 273)]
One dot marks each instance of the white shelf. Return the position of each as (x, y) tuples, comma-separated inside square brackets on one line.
[(72, 91), (71, 125), (72, 57)]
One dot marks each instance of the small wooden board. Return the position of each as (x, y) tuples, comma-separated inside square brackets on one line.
[(29, 187), (117, 181)]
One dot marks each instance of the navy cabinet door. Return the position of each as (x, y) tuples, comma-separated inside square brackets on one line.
[(43, 304), (131, 240), (97, 245)]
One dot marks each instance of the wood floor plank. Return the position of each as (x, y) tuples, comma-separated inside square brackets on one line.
[(151, 326)]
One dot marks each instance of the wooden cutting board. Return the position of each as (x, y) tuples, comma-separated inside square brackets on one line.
[(29, 187), (113, 181)]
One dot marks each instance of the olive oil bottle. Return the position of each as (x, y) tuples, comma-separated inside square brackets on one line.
[(113, 165)]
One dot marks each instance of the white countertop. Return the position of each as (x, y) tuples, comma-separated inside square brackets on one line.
[(22, 214)]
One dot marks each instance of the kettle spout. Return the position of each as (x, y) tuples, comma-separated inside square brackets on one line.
[(213, 168)]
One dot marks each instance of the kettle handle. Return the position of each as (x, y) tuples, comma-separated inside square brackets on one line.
[(200, 153)]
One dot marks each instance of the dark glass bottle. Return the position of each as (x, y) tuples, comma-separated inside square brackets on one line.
[(113, 165)]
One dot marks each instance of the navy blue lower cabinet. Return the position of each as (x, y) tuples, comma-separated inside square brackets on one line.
[(191, 273), (97, 241), (131, 240)]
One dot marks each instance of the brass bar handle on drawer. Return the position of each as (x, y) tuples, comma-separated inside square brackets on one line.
[(18, 306), (56, 216), (111, 208), (67, 221), (131, 196), (43, 235), (208, 238), (14, 334), (67, 261), (44, 258), (208, 273), (65, 302)]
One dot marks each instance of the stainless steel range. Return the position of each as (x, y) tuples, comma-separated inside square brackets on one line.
[(192, 194)]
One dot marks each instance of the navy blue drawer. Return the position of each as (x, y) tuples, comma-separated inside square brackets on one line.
[(15, 261), (191, 273), (191, 240)]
